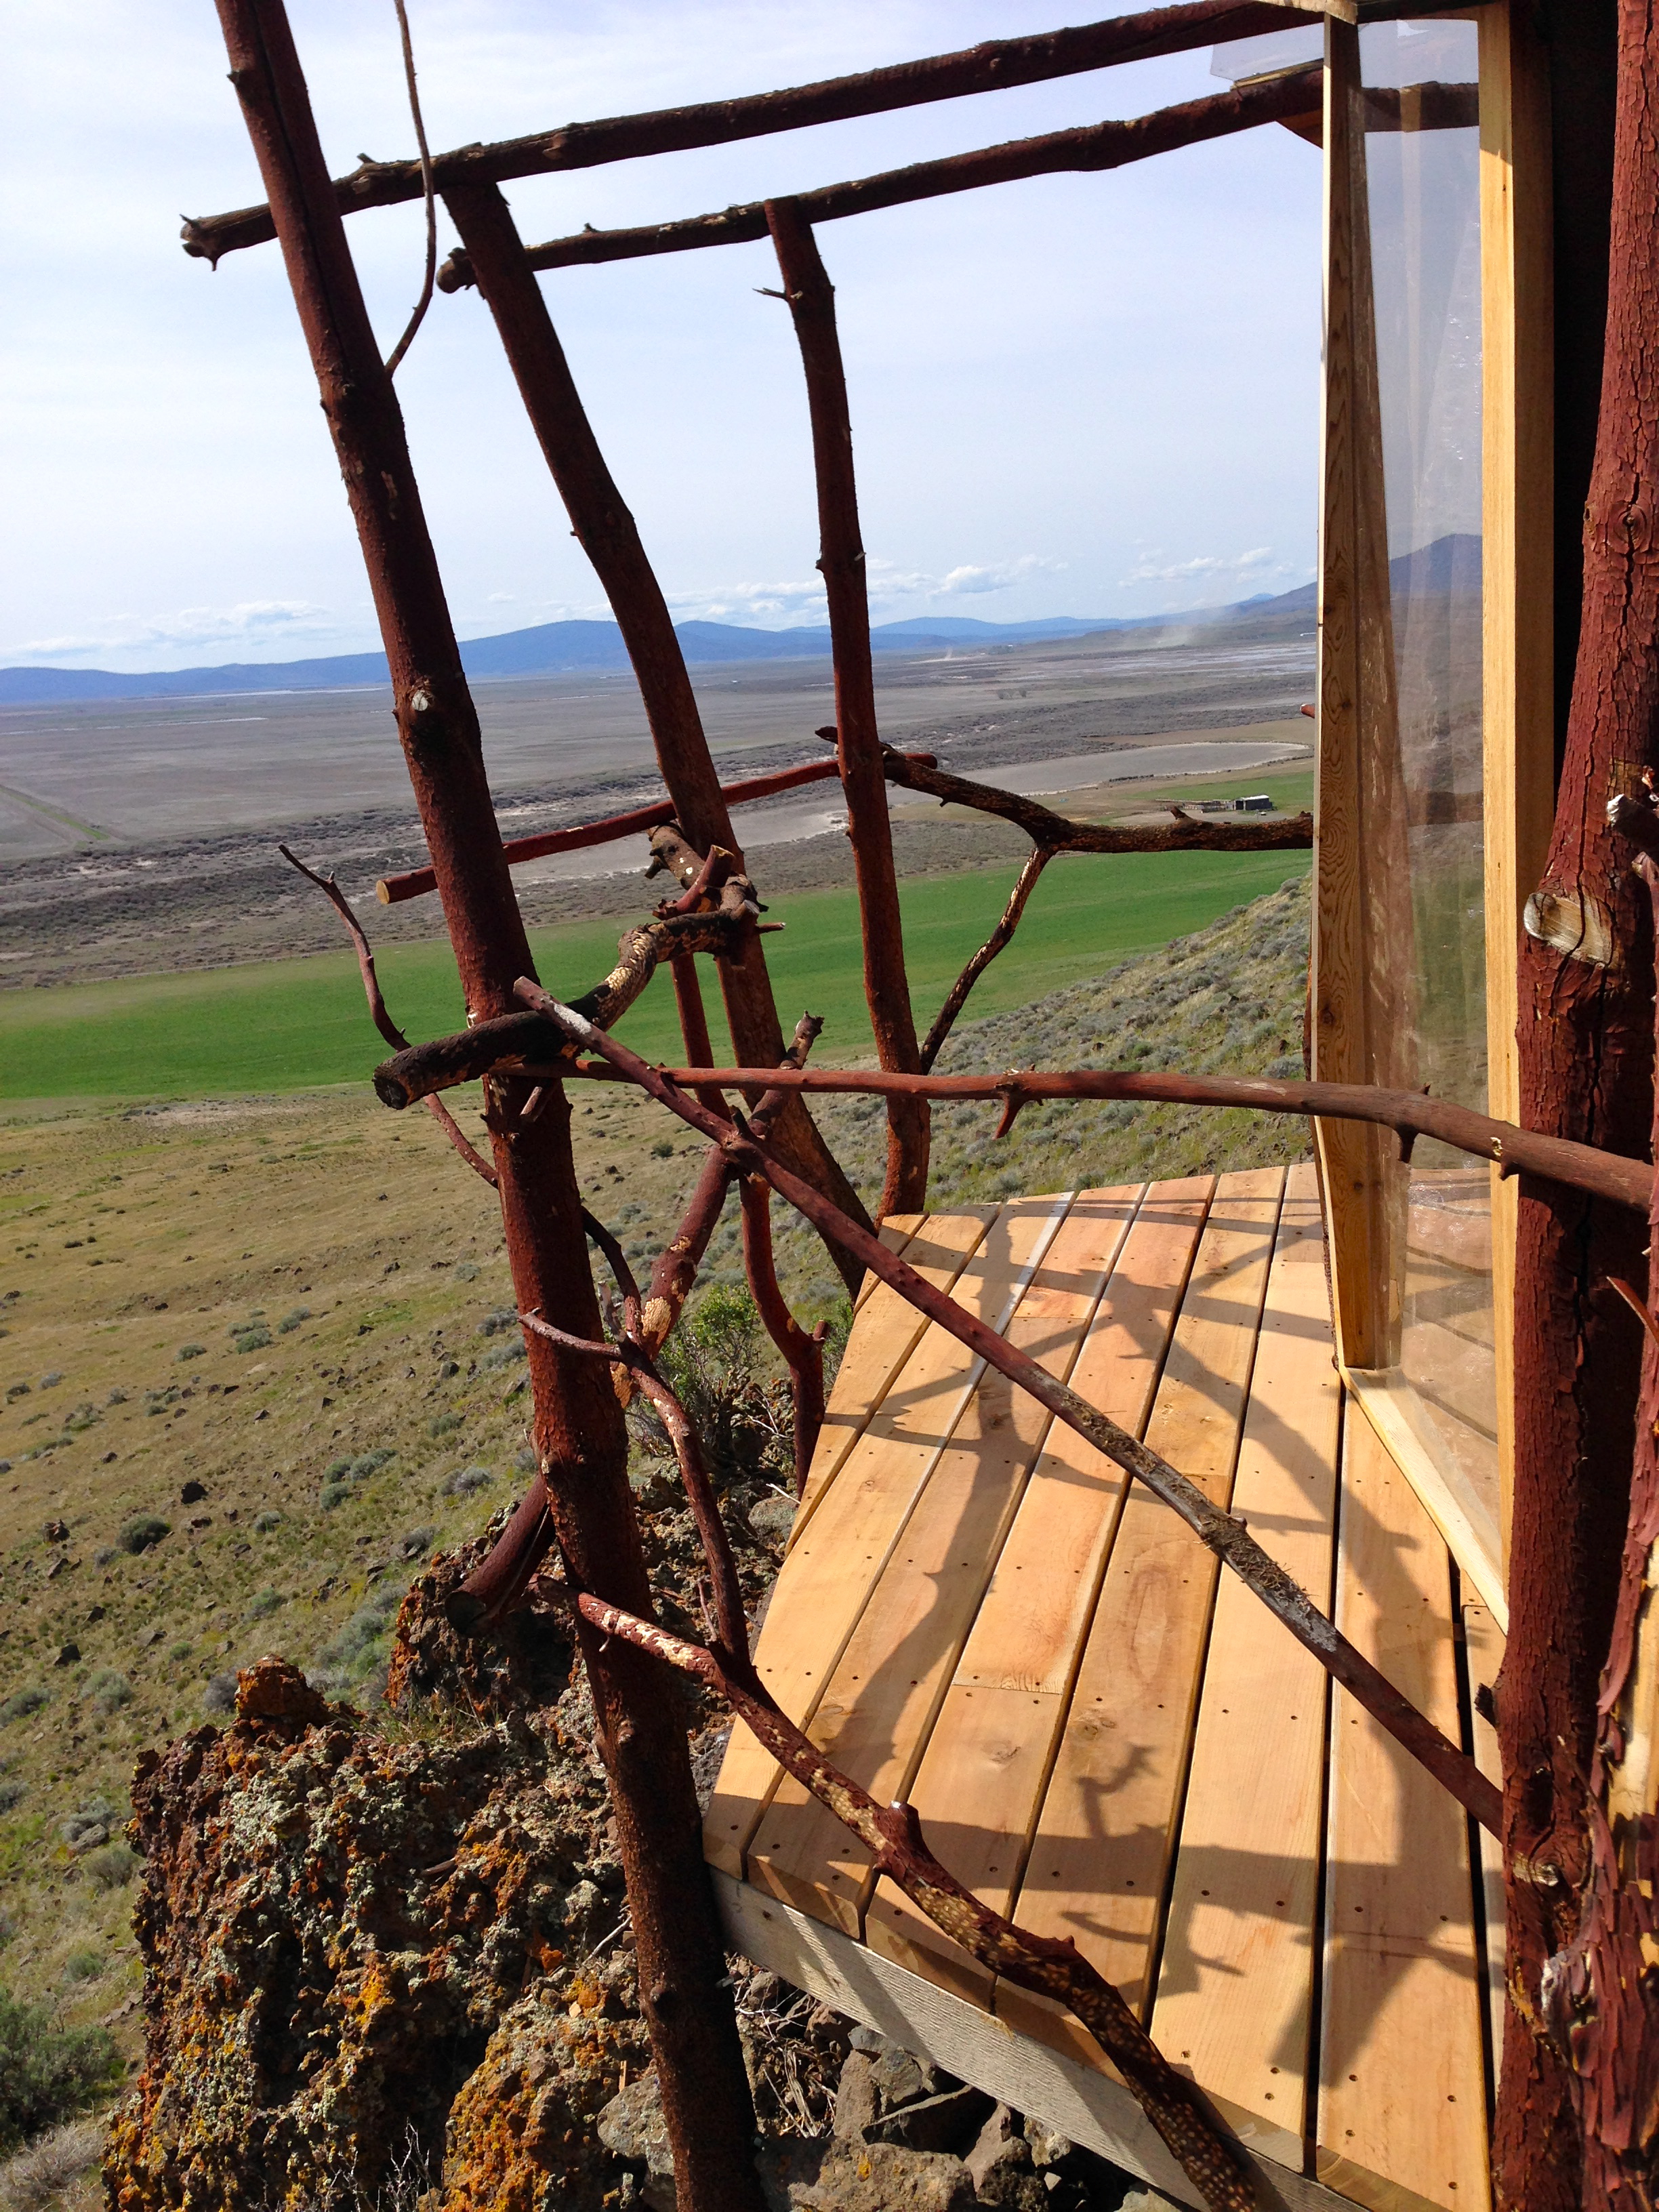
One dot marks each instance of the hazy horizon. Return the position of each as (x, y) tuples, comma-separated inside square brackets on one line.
[(1041, 418)]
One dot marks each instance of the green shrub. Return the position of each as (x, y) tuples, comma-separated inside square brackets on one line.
[(191, 1351), (469, 1479), (47, 2072), (143, 1531), (182, 1649), (112, 1865), (84, 1963), (332, 1494), (493, 1323), (264, 1602), (265, 1522), (503, 1355), (12, 1795), (663, 1149), (289, 1323), (443, 1425), (23, 1702), (251, 1340)]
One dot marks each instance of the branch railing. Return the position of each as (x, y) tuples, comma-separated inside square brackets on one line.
[(1096, 146), (994, 67)]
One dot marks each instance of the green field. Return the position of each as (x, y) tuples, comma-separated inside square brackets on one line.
[(282, 1025)]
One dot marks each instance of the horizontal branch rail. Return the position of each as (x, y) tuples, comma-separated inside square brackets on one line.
[(989, 68), (534, 1042), (1219, 1531), (1057, 833), (1096, 146), (916, 772), (416, 882)]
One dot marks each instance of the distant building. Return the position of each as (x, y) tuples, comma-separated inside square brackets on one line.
[(1259, 802)]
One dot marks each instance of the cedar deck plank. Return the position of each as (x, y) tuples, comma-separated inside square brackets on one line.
[(1401, 2103), (1235, 1989), (827, 1575), (1101, 1851), (876, 1712), (885, 1331), (991, 1750)]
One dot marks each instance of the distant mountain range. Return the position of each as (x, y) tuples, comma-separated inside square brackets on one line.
[(1451, 564), (560, 648)]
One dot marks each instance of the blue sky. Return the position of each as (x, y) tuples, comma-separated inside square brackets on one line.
[(1078, 395)]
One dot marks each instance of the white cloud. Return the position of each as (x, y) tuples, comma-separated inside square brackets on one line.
[(252, 624), (1150, 568), (999, 577), (775, 605), (750, 603)]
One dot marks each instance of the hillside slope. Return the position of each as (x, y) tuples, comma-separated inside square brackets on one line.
[(280, 1331)]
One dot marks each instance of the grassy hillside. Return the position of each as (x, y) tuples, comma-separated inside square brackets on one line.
[(284, 1025), (296, 1303)]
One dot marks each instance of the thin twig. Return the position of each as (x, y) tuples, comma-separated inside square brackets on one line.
[(377, 1007), (802, 1352), (956, 997), (427, 193)]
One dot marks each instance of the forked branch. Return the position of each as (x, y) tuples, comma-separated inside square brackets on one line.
[(378, 1010)]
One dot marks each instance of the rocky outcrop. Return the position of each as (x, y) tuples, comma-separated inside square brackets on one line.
[(370, 1957)]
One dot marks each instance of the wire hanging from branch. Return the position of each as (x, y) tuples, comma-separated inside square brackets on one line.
[(427, 193)]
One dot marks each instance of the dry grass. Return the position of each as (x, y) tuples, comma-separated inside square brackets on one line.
[(125, 1238), (57, 2173)]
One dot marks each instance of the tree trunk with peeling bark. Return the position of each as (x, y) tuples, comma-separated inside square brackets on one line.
[(1587, 1054), (580, 1498)]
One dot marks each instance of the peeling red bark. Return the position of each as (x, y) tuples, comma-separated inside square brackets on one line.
[(1587, 1052), (581, 1493), (610, 539), (811, 301)]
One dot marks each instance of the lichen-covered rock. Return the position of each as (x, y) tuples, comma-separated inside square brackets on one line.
[(346, 1934)]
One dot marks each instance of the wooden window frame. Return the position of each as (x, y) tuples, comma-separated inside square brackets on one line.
[(1356, 995)]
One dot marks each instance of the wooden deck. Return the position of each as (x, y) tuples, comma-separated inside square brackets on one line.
[(1104, 1739)]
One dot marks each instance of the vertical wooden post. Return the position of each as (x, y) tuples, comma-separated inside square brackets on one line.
[(610, 539), (1362, 934), (1586, 1053), (811, 301), (1518, 570), (581, 1494)]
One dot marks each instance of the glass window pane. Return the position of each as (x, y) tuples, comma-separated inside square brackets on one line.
[(1423, 186)]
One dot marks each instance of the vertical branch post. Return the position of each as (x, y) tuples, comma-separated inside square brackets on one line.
[(610, 537), (1586, 1053), (581, 1498), (811, 301), (802, 1351)]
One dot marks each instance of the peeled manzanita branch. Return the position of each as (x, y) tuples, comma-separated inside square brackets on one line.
[(1219, 1531), (956, 997), (1511, 1150), (893, 1836), (802, 1350), (1059, 832)]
